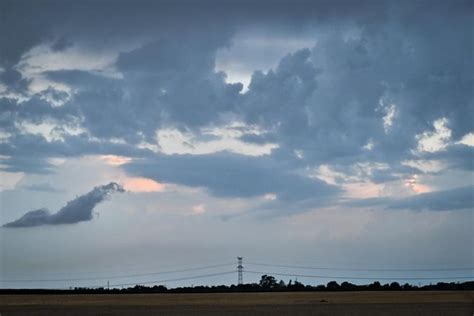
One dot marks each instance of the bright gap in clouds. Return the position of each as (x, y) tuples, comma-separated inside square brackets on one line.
[(51, 132), (425, 165), (251, 51), (436, 140), (76, 56), (390, 112), (115, 160), (418, 188), (467, 140), (211, 140), (357, 183)]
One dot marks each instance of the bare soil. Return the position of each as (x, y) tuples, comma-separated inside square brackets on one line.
[(293, 303)]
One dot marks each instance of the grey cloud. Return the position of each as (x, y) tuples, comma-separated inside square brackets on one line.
[(35, 110), (13, 79), (322, 101), (77, 210), (62, 44), (28, 164), (178, 85), (388, 60), (455, 156), (279, 96), (444, 200), (455, 199), (103, 106), (53, 19), (164, 84), (231, 175), (31, 152)]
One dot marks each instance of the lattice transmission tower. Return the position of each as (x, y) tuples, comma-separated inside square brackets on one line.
[(240, 270)]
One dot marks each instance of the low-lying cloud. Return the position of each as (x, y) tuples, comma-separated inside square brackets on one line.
[(444, 200), (75, 211)]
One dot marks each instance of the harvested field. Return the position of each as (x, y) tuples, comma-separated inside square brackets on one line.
[(294, 303)]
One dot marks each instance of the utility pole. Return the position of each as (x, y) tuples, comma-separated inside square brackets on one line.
[(108, 285), (240, 269)]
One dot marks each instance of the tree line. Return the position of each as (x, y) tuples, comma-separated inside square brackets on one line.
[(267, 283)]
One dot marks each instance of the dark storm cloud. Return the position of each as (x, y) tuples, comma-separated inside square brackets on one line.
[(365, 68), (279, 96), (164, 83), (325, 102), (335, 109), (35, 110), (77, 210), (64, 22)]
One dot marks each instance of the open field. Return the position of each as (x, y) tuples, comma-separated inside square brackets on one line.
[(292, 303)]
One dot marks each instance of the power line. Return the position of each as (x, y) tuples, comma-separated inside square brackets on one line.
[(256, 272), (357, 278), (355, 269), (118, 276)]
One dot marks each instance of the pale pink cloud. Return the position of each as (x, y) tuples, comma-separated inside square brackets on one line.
[(142, 185), (115, 160), (199, 209)]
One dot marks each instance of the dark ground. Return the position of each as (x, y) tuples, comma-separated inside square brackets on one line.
[(293, 303)]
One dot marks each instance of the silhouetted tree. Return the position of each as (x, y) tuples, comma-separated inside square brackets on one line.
[(407, 286), (332, 286), (346, 286), (296, 286), (268, 282), (281, 285), (375, 286), (395, 286)]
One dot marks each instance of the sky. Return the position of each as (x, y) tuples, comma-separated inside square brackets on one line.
[(147, 136)]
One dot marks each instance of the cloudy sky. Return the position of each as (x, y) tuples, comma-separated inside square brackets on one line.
[(315, 133)]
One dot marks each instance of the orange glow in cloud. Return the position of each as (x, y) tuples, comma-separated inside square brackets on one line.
[(418, 188), (142, 185), (115, 160)]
